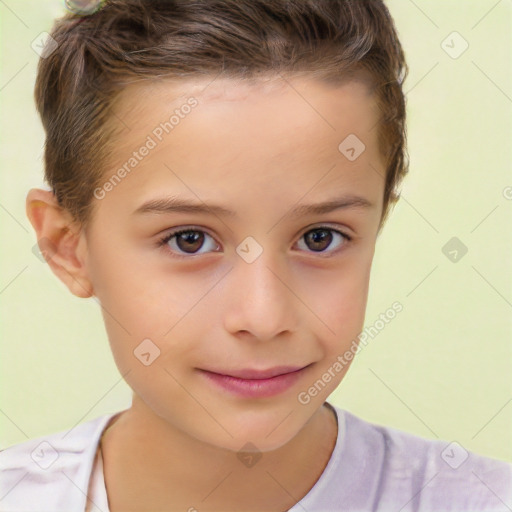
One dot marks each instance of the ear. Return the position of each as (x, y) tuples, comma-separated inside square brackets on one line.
[(61, 241)]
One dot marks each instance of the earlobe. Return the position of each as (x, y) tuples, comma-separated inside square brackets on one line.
[(60, 241)]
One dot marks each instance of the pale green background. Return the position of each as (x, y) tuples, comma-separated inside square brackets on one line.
[(441, 368)]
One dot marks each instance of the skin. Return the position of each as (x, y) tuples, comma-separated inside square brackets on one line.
[(259, 150)]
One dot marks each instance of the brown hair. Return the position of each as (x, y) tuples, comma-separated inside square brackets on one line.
[(130, 40)]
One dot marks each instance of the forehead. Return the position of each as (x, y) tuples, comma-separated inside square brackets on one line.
[(249, 107), (279, 131), (133, 99)]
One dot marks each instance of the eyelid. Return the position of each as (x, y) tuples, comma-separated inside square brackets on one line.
[(348, 238), (163, 239), (344, 230)]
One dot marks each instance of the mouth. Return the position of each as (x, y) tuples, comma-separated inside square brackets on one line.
[(254, 383)]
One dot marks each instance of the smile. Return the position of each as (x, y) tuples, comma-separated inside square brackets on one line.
[(256, 383)]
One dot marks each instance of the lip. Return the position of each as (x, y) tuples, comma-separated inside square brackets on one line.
[(252, 383)]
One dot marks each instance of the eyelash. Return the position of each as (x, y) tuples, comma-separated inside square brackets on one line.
[(162, 242)]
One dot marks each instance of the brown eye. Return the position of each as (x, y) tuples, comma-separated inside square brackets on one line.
[(319, 239), (187, 241)]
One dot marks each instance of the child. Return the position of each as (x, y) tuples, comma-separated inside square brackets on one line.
[(270, 136)]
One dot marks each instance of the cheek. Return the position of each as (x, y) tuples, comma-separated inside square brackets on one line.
[(340, 300), (135, 307), (342, 307), (143, 300)]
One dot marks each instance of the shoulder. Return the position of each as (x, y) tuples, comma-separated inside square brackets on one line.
[(432, 474), (50, 472)]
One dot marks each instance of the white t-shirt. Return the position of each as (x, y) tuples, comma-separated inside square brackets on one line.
[(372, 468)]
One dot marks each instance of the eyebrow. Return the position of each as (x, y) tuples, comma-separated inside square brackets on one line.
[(175, 204)]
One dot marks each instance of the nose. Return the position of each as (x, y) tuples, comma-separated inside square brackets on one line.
[(261, 301)]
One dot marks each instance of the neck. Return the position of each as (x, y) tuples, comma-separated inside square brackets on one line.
[(148, 465)]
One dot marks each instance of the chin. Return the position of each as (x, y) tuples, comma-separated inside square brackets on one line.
[(249, 443), (263, 433)]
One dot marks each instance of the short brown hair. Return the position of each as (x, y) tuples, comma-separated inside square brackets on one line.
[(127, 40)]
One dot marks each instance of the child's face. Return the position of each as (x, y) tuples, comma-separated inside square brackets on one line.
[(206, 301)]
